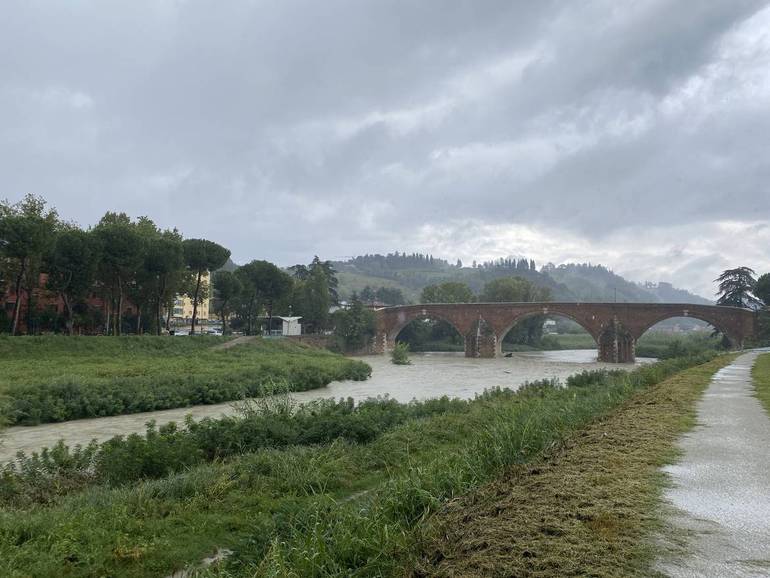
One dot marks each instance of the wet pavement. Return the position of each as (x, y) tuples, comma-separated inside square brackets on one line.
[(721, 486)]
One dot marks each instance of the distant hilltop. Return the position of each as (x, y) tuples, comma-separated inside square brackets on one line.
[(410, 273)]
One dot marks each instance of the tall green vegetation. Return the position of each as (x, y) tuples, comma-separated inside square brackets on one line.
[(121, 256), (137, 269), (202, 256), (53, 378), (71, 265), (354, 327), (449, 292), (26, 233), (164, 273), (760, 374), (227, 290), (736, 287), (314, 292), (400, 354), (354, 506), (384, 295), (263, 286), (762, 289)]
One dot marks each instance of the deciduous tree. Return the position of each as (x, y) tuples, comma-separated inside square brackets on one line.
[(26, 234), (449, 292), (355, 326), (71, 267), (264, 284), (227, 290)]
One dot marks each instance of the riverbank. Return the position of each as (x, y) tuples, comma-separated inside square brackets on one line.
[(590, 507), (430, 375), (56, 378), (661, 345), (760, 373), (338, 508)]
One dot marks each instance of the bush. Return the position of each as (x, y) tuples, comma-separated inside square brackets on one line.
[(400, 354), (56, 379), (274, 422)]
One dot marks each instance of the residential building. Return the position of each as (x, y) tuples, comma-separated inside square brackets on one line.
[(183, 306)]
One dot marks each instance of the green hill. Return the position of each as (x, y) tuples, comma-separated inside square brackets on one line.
[(410, 273)]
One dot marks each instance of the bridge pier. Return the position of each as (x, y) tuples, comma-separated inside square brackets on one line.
[(482, 346), (616, 345), (381, 344)]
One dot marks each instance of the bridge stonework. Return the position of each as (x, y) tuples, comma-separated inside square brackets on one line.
[(614, 326)]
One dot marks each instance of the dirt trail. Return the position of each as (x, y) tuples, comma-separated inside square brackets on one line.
[(237, 341), (721, 487)]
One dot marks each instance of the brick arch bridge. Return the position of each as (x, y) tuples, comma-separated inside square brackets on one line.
[(614, 326)]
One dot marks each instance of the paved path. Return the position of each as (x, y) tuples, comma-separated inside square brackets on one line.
[(721, 487), (237, 341)]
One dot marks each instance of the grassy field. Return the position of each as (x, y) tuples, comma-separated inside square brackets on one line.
[(652, 344), (56, 378), (356, 506), (591, 507), (761, 374)]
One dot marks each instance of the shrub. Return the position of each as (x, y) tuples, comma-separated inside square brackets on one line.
[(400, 354), (56, 379)]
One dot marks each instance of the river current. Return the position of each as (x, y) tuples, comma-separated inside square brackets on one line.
[(429, 375)]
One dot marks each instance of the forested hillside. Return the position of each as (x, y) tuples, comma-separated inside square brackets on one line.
[(409, 273)]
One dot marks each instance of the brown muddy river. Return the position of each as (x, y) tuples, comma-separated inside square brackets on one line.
[(429, 375)]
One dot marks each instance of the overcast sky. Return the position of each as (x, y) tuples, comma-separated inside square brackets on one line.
[(630, 133)]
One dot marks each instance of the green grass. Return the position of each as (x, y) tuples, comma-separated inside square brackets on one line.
[(345, 509), (591, 507), (571, 341), (761, 374), (57, 378), (658, 344)]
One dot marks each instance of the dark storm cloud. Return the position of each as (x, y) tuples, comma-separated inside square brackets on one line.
[(287, 128)]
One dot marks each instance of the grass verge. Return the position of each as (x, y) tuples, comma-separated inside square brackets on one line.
[(57, 378), (339, 509), (588, 508), (761, 376)]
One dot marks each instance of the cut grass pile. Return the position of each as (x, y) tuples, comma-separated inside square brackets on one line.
[(589, 508), (344, 509), (57, 378), (761, 376)]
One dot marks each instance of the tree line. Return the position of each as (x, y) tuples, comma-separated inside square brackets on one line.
[(122, 261), (119, 260)]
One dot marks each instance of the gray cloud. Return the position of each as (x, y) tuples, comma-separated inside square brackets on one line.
[(285, 128)]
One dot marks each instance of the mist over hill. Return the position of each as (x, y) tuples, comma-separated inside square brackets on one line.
[(410, 273)]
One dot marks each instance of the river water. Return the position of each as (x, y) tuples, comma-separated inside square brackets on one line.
[(429, 375)]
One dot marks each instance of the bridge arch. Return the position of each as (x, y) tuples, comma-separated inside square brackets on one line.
[(615, 326), (552, 312), (399, 329), (418, 315), (696, 315)]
